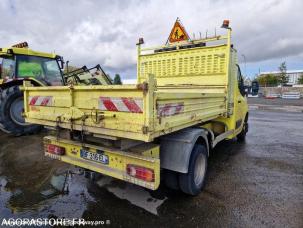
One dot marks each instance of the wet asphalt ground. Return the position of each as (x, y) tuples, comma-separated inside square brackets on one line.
[(258, 183)]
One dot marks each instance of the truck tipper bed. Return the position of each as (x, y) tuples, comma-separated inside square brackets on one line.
[(188, 97)]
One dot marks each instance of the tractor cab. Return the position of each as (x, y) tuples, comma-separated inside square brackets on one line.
[(21, 63)]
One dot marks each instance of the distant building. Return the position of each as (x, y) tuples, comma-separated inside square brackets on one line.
[(293, 75)]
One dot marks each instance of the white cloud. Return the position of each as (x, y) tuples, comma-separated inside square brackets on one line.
[(90, 32)]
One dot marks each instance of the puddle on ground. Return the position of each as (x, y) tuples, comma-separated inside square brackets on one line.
[(67, 195), (32, 185), (136, 195)]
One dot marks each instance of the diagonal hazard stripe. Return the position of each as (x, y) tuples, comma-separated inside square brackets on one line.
[(131, 105), (108, 104), (33, 100), (121, 104), (45, 101)]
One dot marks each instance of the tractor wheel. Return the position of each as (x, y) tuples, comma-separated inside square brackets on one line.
[(11, 108), (1, 126)]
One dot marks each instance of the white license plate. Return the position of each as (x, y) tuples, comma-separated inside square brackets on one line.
[(102, 158)]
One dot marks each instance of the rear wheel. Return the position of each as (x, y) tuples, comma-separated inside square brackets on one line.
[(192, 182), (11, 108)]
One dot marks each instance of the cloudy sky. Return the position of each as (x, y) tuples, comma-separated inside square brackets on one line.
[(94, 31)]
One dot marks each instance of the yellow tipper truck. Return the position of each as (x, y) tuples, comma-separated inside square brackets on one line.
[(189, 96)]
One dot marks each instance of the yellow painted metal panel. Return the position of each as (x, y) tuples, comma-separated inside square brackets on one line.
[(199, 66), (147, 157), (163, 109)]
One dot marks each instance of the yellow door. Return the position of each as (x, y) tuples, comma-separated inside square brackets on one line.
[(240, 102)]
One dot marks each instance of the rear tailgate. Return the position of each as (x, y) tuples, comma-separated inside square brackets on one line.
[(120, 110)]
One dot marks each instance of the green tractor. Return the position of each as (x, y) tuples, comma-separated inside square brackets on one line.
[(19, 63)]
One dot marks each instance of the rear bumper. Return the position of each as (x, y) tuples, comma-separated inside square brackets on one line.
[(145, 156)]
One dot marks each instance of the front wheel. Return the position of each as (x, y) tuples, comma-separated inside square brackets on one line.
[(11, 108), (193, 181), (242, 135)]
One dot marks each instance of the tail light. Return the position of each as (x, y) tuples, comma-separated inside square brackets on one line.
[(54, 149), (140, 172)]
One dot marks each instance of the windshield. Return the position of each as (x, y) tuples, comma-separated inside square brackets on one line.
[(45, 70)]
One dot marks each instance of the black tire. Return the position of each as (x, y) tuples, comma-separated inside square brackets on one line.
[(1, 126), (171, 179), (242, 135), (187, 181), (16, 127)]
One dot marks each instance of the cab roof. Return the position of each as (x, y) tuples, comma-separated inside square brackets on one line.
[(10, 51)]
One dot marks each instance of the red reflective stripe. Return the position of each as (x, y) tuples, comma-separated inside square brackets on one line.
[(33, 100), (131, 105), (108, 104), (45, 101)]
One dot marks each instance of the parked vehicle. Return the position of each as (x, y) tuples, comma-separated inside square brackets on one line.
[(189, 96), (19, 63)]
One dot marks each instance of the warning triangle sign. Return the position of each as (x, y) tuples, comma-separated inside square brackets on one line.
[(178, 33)]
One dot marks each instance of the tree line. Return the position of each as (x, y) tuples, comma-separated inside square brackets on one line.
[(117, 79)]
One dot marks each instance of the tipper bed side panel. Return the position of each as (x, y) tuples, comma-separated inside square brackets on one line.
[(176, 110)]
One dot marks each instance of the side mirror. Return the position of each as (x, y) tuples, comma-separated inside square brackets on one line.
[(62, 62)]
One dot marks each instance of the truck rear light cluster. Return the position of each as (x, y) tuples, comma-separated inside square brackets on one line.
[(140, 172), (54, 149)]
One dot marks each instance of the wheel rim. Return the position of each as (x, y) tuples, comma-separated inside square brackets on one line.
[(199, 169), (16, 110)]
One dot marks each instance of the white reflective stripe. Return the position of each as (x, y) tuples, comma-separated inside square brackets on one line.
[(139, 102), (119, 104), (101, 105), (39, 101)]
